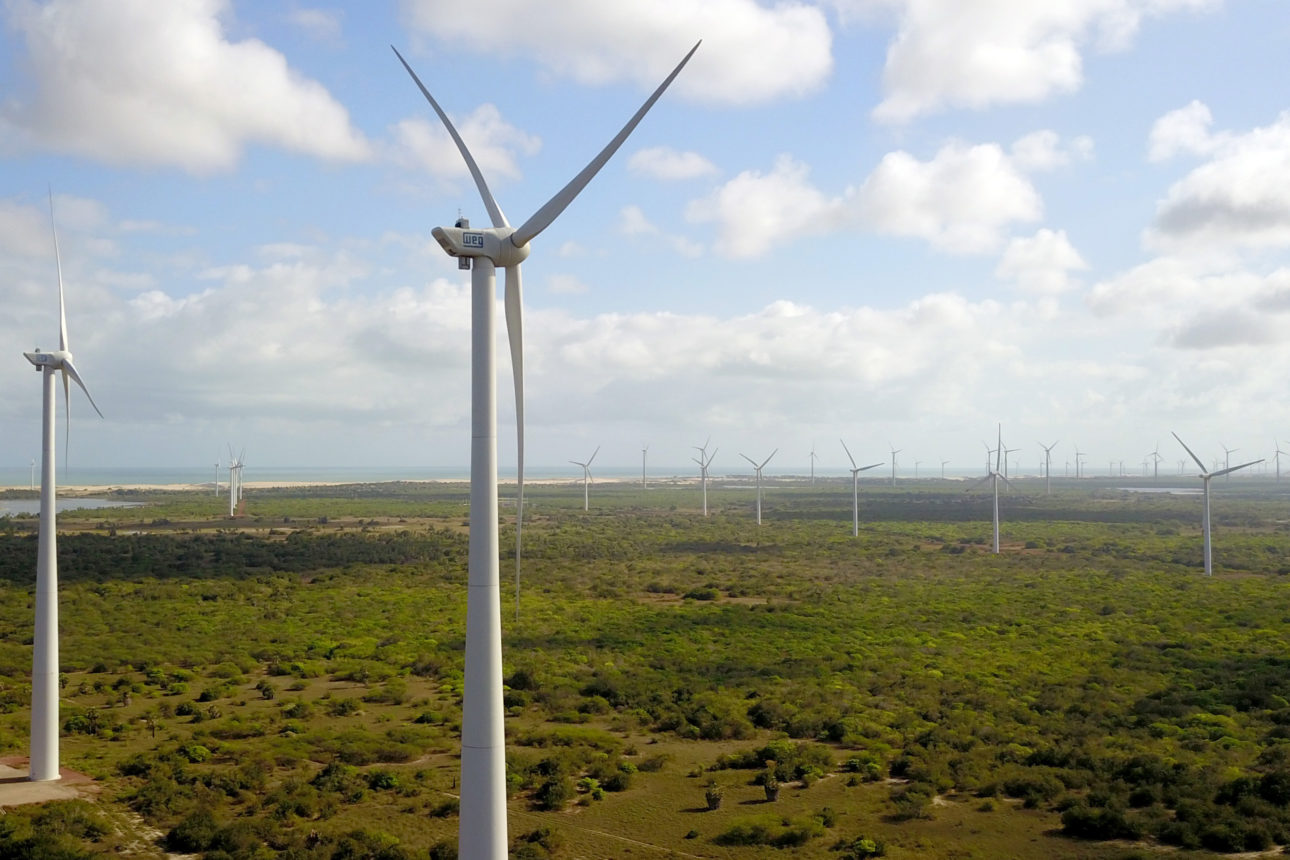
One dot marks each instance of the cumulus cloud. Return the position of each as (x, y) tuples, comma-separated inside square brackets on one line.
[(495, 144), (751, 52), (143, 83), (1239, 199), (1042, 263), (632, 221), (663, 162), (756, 210), (960, 201), (979, 53), (1043, 150), (323, 25), (1182, 130)]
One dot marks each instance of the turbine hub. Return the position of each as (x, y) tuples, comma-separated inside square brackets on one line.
[(493, 243)]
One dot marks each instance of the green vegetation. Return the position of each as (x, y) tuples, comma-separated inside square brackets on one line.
[(289, 683)]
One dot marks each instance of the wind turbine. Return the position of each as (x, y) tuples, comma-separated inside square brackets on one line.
[(994, 476), (1227, 460), (894, 452), (644, 452), (44, 666), (855, 489), (586, 478), (1079, 456), (812, 465), (482, 824), (217, 478), (234, 480), (1276, 444), (1156, 457), (758, 469), (943, 462), (1048, 466), (1206, 476), (704, 462)]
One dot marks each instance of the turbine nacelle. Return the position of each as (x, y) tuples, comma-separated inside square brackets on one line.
[(55, 360), (493, 243)]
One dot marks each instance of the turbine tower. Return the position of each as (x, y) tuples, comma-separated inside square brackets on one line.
[(943, 462), (758, 469), (1227, 460), (1206, 476), (644, 452), (482, 825), (1156, 457), (586, 478), (894, 452), (855, 489), (1048, 466), (217, 478), (234, 480), (812, 465), (44, 666)]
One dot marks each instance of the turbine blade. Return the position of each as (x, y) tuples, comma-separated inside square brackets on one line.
[(874, 466), (58, 262), (494, 211), (767, 460), (978, 483), (848, 450), (1193, 454), (551, 210), (513, 299), (1234, 468), (592, 459), (70, 370), (750, 460)]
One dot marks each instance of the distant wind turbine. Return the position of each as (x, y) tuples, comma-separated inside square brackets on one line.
[(758, 467), (217, 478), (482, 823), (1227, 460), (43, 760), (1206, 476), (994, 476), (1156, 457), (704, 461), (943, 462), (644, 453), (894, 452), (812, 465), (234, 480), (1276, 444), (1048, 466), (586, 478), (855, 488)]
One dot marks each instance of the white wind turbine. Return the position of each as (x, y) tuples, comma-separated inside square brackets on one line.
[(994, 476), (586, 478), (234, 480), (812, 465), (644, 453), (44, 667), (482, 824), (757, 468), (1048, 466), (943, 462), (704, 462), (855, 489), (1206, 476), (1276, 445), (894, 452), (1227, 460), (217, 477)]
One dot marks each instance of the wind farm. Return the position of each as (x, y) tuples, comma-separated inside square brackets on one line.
[(279, 239)]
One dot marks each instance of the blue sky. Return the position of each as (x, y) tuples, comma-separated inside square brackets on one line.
[(894, 221)]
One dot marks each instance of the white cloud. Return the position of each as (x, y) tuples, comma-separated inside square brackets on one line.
[(495, 144), (751, 52), (1182, 130), (756, 210), (663, 162), (1042, 150), (979, 53), (960, 201), (323, 25), (632, 221), (566, 285), (1239, 199), (144, 83), (1042, 263)]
